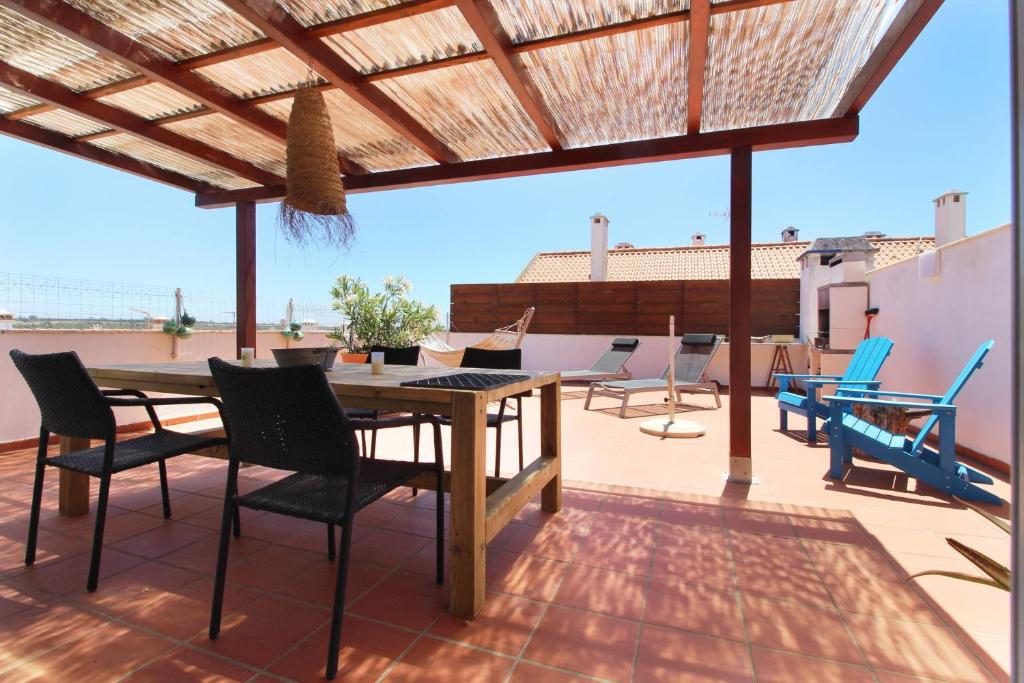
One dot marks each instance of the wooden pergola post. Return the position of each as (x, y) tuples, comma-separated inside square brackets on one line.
[(245, 276), (740, 465)]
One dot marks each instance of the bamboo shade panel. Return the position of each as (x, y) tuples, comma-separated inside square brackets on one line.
[(140, 149), (13, 101), (312, 12), (412, 40), (468, 107), (630, 86), (177, 28), (526, 20), (360, 136), (34, 48), (152, 101), (262, 73), (217, 130), (787, 62), (65, 122)]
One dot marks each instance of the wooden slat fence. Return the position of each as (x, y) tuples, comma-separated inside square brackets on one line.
[(623, 308)]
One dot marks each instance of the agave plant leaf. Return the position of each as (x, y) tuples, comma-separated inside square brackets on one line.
[(1001, 523), (957, 575), (998, 573)]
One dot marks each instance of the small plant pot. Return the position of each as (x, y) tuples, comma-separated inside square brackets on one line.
[(354, 357)]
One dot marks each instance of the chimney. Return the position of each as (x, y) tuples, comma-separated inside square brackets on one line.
[(698, 239), (950, 217), (790, 234), (598, 248)]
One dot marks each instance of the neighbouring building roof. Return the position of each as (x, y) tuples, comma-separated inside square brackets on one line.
[(835, 245), (771, 261)]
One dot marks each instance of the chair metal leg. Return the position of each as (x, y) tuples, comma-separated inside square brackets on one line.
[(331, 551), (165, 495), (625, 404), (783, 420), (373, 444), (236, 523), (362, 437), (230, 511), (97, 539), (439, 508), (590, 395), (718, 399), (416, 450), (497, 450), (334, 644), (519, 429), (37, 499)]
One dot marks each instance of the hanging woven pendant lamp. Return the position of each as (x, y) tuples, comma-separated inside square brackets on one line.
[(314, 208)]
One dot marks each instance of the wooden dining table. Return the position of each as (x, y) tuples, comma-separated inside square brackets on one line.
[(481, 506)]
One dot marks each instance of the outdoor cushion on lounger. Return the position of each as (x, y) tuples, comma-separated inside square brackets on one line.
[(611, 364)]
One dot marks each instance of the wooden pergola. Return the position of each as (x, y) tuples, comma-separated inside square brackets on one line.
[(196, 94)]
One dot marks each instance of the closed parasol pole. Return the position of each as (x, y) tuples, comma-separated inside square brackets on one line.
[(670, 428)]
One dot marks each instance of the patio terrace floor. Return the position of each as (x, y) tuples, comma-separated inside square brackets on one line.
[(655, 570)]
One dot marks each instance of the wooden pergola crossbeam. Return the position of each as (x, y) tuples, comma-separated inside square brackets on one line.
[(62, 143), (123, 121), (94, 94), (696, 65), (484, 21), (789, 135), (275, 21)]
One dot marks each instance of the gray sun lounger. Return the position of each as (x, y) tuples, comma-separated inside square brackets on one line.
[(611, 365), (691, 362)]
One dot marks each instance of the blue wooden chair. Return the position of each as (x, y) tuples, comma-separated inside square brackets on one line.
[(864, 365), (936, 468)]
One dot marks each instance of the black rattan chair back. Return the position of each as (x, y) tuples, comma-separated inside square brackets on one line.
[(511, 359), (286, 419), (397, 355), (69, 401)]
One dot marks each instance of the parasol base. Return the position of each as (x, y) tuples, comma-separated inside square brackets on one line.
[(678, 429)]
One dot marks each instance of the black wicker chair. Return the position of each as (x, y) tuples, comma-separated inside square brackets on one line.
[(290, 419), (510, 359), (371, 419), (71, 405)]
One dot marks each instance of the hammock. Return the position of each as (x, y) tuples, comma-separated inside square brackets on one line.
[(509, 337)]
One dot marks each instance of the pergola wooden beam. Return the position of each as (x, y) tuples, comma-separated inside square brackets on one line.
[(62, 143), (57, 95), (484, 21), (696, 64), (906, 26), (94, 94), (275, 21), (820, 132), (80, 27)]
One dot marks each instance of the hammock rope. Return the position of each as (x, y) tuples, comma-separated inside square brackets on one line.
[(503, 338)]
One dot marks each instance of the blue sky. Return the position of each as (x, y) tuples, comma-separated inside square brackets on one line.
[(941, 120)]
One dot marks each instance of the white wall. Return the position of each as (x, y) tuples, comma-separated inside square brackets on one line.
[(938, 322), (19, 417), (579, 351)]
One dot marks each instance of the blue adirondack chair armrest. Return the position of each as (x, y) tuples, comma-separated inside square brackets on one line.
[(900, 394), (785, 378), (866, 382), (851, 400)]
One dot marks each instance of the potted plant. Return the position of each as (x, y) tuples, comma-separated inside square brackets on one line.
[(385, 318)]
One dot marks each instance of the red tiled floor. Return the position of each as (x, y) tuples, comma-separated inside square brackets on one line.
[(675, 512), (677, 564), (133, 589), (616, 594), (548, 543), (525, 672), (781, 667), (32, 632), (670, 656), (439, 661), (799, 628), (317, 583), (405, 600), (66, 576), (694, 608), (694, 539), (759, 522), (504, 625), (585, 642), (524, 575), (183, 612), (622, 553), (894, 599), (201, 557), (162, 540), (387, 548), (185, 664), (833, 558)]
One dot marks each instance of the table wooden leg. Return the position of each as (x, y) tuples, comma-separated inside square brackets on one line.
[(551, 443), (468, 501), (74, 486)]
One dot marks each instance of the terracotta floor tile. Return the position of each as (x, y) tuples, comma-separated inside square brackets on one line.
[(379, 513), (185, 664), (66, 576), (31, 632), (404, 600), (798, 628), (273, 566), (504, 625), (317, 583), (132, 589), (525, 672), (118, 528), (758, 522), (915, 648), (797, 584), (547, 543), (50, 547), (263, 630), (637, 529), (184, 506), (666, 655), (583, 500), (613, 593), (440, 661), (105, 654), (184, 612), (694, 608), (678, 564), (575, 520), (833, 558), (766, 549), (585, 642), (424, 562), (893, 599), (674, 512), (387, 548), (367, 650), (419, 521), (833, 531), (616, 552), (914, 541), (635, 506), (781, 667), (201, 557), (993, 649), (13, 600), (162, 540), (212, 516), (695, 539), (524, 575), (288, 531)]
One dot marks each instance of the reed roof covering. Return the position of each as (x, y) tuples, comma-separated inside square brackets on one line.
[(416, 84)]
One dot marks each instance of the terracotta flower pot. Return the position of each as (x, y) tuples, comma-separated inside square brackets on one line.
[(354, 357)]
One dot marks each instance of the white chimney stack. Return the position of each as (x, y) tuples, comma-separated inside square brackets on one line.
[(790, 234), (598, 248), (950, 217), (698, 239)]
